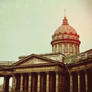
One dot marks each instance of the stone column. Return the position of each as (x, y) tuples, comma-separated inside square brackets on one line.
[(38, 82), (78, 82), (13, 83), (57, 48), (57, 82), (71, 82), (68, 47), (29, 83), (62, 48), (6, 84), (53, 50), (47, 81), (86, 81), (21, 83), (54, 46)]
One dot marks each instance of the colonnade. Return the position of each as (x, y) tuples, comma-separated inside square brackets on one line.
[(72, 49), (36, 82), (50, 82), (80, 81)]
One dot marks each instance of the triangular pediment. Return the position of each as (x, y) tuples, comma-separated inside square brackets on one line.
[(32, 60)]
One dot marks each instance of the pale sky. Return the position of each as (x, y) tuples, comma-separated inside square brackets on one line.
[(26, 26)]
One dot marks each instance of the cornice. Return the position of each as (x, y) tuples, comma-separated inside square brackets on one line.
[(65, 41)]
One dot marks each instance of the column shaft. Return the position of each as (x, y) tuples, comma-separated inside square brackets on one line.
[(57, 82), (6, 84), (86, 81), (38, 82), (47, 82), (71, 83), (13, 83), (78, 82), (21, 83), (29, 83)]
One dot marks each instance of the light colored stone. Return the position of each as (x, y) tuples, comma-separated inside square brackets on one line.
[(78, 82), (71, 83), (29, 82), (57, 82), (21, 83), (47, 82), (38, 82)]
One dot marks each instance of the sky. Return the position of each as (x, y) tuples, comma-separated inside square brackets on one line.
[(26, 26)]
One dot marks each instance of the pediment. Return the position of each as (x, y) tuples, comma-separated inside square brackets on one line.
[(32, 60)]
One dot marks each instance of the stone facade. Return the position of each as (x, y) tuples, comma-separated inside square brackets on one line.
[(51, 76), (63, 70)]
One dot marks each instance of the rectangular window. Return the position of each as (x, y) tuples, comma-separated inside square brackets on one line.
[(65, 48), (71, 48)]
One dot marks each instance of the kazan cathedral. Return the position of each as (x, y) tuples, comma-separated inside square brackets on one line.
[(63, 70)]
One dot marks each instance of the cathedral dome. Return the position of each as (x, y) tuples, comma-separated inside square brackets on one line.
[(65, 31), (65, 28), (65, 39)]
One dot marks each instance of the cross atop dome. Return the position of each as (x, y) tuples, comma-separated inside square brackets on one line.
[(64, 12), (65, 21)]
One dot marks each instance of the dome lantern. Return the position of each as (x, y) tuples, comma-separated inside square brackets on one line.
[(65, 21)]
